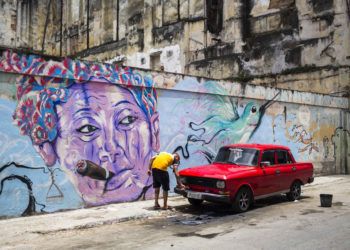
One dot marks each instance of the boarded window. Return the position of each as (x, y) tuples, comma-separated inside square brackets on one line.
[(321, 5), (280, 4), (170, 11), (214, 16), (155, 61)]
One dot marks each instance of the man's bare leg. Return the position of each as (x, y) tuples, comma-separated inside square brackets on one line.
[(165, 198), (156, 197)]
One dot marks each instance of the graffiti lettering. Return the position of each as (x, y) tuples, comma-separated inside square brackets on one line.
[(301, 135)]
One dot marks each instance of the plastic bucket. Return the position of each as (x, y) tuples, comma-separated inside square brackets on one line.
[(326, 200)]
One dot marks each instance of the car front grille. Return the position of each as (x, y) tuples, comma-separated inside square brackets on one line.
[(204, 182)]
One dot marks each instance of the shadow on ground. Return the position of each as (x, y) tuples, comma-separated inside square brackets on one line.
[(207, 212)]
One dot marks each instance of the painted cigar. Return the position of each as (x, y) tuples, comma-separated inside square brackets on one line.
[(92, 170)]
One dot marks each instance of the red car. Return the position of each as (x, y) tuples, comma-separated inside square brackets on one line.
[(242, 173)]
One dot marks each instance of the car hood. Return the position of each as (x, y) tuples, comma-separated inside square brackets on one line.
[(216, 171)]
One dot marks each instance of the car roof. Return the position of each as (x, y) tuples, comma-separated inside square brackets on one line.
[(257, 146)]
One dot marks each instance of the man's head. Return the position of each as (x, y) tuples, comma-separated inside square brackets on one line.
[(176, 158)]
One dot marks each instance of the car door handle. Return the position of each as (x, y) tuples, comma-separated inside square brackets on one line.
[(277, 171), (294, 168)]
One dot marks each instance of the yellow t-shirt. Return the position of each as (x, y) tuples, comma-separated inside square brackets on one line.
[(162, 161)]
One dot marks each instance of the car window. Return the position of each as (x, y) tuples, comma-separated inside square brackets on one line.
[(283, 157), (238, 156), (268, 156)]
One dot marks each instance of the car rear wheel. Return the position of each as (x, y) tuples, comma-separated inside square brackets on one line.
[(295, 191), (242, 200), (195, 202)]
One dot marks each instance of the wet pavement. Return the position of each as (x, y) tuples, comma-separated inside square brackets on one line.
[(272, 223)]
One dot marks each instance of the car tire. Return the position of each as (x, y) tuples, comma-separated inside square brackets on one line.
[(195, 202), (295, 191), (243, 200)]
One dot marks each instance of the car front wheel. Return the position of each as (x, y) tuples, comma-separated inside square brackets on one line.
[(195, 202), (295, 191), (242, 200)]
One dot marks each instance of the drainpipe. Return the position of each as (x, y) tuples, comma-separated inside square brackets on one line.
[(18, 24), (61, 28), (88, 25), (117, 38), (45, 27)]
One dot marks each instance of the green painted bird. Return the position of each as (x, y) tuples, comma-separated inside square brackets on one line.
[(224, 125)]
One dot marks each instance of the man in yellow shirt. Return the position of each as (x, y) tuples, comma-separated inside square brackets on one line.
[(158, 166)]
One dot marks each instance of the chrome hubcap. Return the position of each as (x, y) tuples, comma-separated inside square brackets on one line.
[(244, 201), (296, 191)]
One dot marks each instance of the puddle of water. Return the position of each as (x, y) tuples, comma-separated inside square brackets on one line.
[(190, 234), (338, 204), (193, 221), (311, 211)]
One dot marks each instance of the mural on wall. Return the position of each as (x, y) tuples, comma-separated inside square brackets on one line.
[(27, 184), (32, 203), (326, 146), (299, 134), (222, 123), (94, 113), (208, 121), (341, 142), (81, 134)]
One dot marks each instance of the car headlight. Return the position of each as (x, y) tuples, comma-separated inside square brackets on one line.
[(220, 184), (183, 180)]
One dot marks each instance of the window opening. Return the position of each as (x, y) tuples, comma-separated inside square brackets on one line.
[(214, 15)]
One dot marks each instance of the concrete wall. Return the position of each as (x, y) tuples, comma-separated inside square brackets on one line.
[(56, 113), (294, 44)]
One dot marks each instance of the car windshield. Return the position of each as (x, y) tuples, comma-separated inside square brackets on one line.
[(238, 156)]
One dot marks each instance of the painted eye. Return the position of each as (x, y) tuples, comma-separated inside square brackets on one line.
[(86, 129), (253, 109), (128, 120)]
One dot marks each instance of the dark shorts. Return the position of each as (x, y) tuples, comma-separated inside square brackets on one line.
[(160, 178)]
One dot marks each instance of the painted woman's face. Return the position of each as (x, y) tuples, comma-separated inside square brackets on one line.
[(102, 123)]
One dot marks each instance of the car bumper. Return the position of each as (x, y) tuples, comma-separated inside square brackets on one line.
[(310, 180), (205, 196)]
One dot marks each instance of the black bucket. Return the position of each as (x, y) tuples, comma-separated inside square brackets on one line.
[(326, 200)]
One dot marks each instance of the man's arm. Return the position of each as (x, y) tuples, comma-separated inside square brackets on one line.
[(177, 176), (174, 168), (150, 165)]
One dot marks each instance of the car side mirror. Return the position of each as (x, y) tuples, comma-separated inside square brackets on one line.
[(265, 163)]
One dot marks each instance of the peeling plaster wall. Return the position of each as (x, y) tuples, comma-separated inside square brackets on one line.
[(20, 25), (8, 24), (169, 59), (267, 40)]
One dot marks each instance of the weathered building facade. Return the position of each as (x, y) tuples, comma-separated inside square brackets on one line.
[(221, 72), (290, 44), (58, 114)]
